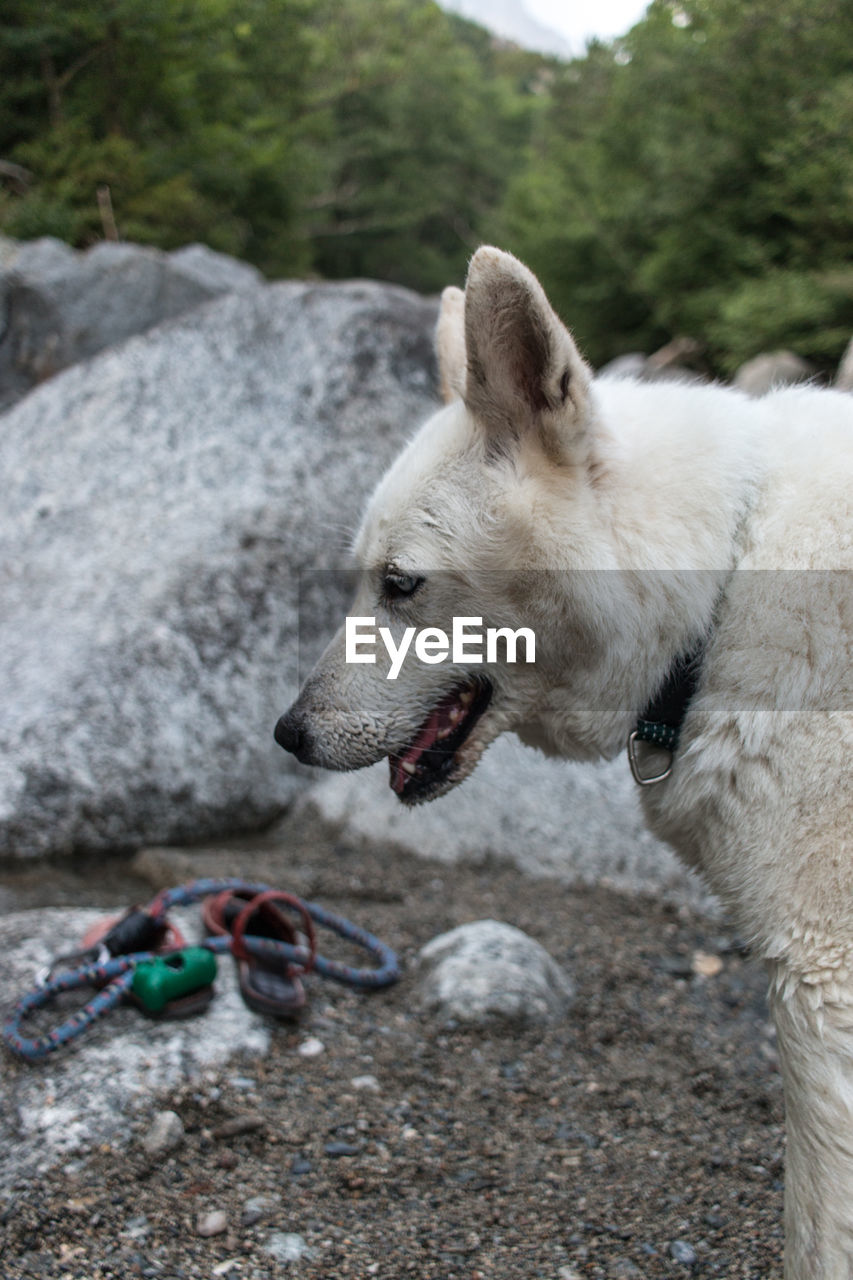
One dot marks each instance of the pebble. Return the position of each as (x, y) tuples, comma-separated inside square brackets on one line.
[(214, 1223), (706, 965), (337, 1149), (243, 1083), (683, 1251), (257, 1208), (625, 1269), (247, 1122), (137, 1228), (310, 1048), (369, 1083), (286, 1246), (166, 1134)]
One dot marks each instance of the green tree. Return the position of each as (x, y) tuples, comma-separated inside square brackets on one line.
[(425, 128), (349, 137), (183, 109), (703, 154)]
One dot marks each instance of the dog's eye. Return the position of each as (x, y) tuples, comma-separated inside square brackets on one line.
[(397, 586)]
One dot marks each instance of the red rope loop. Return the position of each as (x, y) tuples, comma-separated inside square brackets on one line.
[(238, 929)]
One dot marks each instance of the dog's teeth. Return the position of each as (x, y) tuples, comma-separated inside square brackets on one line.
[(466, 698), (408, 767), (454, 714), (443, 733)]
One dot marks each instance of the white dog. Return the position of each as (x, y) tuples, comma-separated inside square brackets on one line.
[(679, 554)]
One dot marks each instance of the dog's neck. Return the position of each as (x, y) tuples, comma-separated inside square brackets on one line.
[(671, 505)]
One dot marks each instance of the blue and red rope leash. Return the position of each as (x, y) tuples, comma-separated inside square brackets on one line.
[(115, 962)]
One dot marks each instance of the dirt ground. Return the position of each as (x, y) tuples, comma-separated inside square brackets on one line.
[(640, 1137)]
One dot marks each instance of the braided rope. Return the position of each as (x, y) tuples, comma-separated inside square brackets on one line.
[(115, 976), (386, 972)]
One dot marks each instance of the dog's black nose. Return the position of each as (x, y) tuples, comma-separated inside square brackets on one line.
[(290, 733)]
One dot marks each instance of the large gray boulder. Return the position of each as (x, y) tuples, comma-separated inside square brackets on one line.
[(160, 504), (575, 823), (173, 509), (58, 306)]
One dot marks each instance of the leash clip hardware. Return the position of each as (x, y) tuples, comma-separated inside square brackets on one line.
[(633, 760), (69, 960)]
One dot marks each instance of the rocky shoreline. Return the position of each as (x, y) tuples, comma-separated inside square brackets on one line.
[(637, 1134)]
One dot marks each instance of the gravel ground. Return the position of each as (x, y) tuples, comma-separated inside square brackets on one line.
[(640, 1137)]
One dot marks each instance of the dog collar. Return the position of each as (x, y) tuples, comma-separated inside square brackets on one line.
[(661, 721)]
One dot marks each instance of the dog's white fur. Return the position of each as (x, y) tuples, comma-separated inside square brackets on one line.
[(693, 511)]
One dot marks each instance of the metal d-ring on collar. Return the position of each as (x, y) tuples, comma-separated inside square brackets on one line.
[(660, 724)]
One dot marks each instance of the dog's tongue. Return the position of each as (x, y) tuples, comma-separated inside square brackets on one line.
[(426, 737), (439, 721)]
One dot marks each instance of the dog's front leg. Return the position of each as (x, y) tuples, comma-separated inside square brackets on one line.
[(814, 1022)]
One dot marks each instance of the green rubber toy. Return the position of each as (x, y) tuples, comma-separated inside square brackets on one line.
[(165, 978)]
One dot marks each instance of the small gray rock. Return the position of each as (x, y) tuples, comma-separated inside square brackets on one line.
[(682, 1251), (286, 1246), (488, 972), (367, 1083), (138, 1228), (256, 1209), (214, 1223), (338, 1149), (166, 1134)]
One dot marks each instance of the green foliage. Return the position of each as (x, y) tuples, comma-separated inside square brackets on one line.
[(694, 177), (186, 109), (809, 311), (422, 142), (695, 171), (348, 137)]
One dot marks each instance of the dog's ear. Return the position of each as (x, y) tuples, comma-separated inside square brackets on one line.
[(450, 344), (524, 370)]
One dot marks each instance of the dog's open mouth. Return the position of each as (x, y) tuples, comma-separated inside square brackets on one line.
[(431, 760)]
